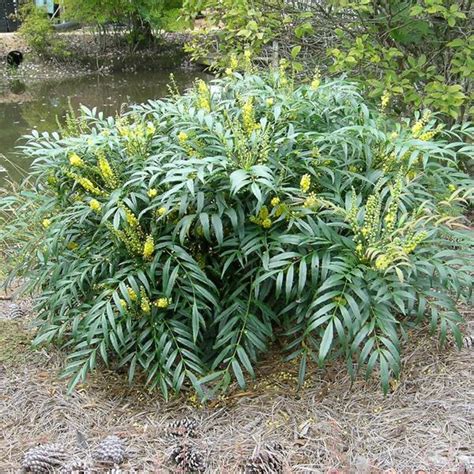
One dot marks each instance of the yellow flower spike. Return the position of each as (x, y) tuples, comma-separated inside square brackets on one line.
[(162, 303), (229, 71), (384, 101), (149, 247), (162, 211), (123, 304), (248, 116), (266, 223), (145, 304), (269, 102), (305, 183), (152, 192), (107, 172), (86, 183), (234, 63), (382, 262), (132, 221), (95, 205), (310, 201), (150, 128), (132, 294), (263, 213), (46, 223), (316, 82), (76, 160), (182, 137), (275, 201), (203, 96)]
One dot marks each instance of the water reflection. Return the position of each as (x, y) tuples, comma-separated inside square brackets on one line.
[(41, 105)]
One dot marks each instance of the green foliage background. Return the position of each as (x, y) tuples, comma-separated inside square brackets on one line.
[(419, 52), (187, 237)]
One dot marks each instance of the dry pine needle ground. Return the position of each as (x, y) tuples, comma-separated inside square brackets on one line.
[(426, 423)]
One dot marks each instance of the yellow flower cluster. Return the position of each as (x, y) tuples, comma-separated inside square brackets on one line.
[(419, 125), (132, 235), (248, 60), (148, 247), (233, 65), (76, 160), (95, 205), (162, 303), (316, 82), (46, 223), (262, 218), (351, 216), (372, 218), (311, 201), (182, 137), (426, 136), (150, 129), (145, 304), (384, 101), (86, 183), (123, 304), (282, 72), (203, 101), (106, 171), (413, 241), (382, 262), (132, 294), (275, 201), (269, 102), (234, 62), (130, 217), (152, 192), (161, 211), (391, 216), (248, 116), (305, 183)]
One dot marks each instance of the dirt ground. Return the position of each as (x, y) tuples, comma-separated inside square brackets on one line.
[(425, 424)]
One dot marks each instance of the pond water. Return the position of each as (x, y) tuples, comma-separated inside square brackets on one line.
[(40, 106)]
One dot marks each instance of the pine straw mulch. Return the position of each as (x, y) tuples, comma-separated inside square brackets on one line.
[(426, 422)]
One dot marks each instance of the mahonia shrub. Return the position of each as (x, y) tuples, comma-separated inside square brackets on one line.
[(186, 237)]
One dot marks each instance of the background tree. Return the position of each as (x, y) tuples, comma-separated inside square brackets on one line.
[(142, 18)]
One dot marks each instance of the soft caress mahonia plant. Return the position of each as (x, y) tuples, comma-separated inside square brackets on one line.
[(185, 237)]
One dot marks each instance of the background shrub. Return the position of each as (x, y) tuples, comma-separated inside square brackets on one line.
[(418, 52), (187, 236), (38, 32)]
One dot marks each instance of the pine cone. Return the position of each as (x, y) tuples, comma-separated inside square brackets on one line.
[(188, 458), (77, 466), (468, 341), (111, 450), (268, 460), (15, 311), (185, 427), (43, 458)]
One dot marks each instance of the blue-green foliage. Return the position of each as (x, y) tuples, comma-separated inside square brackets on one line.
[(185, 237)]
